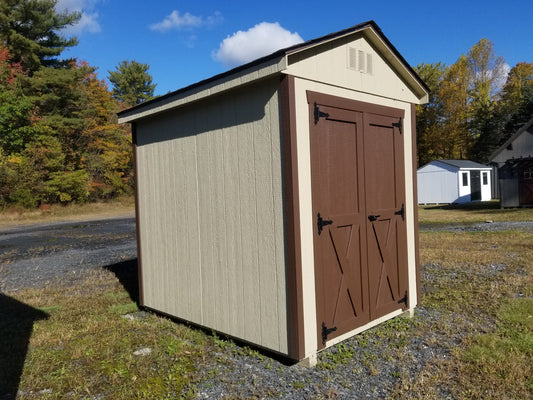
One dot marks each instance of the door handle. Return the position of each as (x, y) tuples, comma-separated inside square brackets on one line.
[(372, 218)]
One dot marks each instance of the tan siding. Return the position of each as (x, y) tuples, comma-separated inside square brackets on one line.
[(252, 305), (210, 197), (207, 220), (233, 232)]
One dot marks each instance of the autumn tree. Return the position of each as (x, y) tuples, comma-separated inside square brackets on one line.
[(486, 74), (513, 107), (429, 121), (107, 154), (469, 113), (454, 100), (132, 84), (517, 96), (59, 136)]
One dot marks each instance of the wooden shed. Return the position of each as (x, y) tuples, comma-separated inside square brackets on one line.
[(276, 202), (513, 163), (453, 182)]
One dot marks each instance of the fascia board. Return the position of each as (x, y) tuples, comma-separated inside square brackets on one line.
[(204, 89)]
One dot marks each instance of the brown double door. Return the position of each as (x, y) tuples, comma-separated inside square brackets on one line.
[(359, 213)]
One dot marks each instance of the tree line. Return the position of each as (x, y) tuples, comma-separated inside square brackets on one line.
[(60, 140), (474, 106)]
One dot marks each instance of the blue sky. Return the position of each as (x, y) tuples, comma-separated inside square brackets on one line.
[(185, 42)]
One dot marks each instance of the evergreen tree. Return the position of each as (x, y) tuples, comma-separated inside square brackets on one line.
[(132, 84), (16, 109), (31, 31)]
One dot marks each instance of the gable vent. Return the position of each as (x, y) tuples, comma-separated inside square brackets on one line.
[(352, 58), (359, 60)]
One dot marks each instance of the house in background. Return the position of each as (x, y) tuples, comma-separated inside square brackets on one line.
[(453, 181), (513, 166)]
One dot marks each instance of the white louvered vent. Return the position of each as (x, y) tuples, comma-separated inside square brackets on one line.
[(359, 60), (352, 58), (369, 65)]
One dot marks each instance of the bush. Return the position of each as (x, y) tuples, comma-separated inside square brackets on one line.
[(67, 186)]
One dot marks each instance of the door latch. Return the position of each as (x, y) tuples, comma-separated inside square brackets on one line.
[(373, 218), (321, 223)]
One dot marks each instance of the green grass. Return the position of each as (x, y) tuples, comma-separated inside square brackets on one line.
[(77, 343), (82, 346), (506, 353), (481, 286)]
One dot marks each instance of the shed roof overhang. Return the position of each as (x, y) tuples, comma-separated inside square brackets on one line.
[(271, 65)]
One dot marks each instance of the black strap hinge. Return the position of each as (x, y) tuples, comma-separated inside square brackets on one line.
[(326, 332), (319, 114), (401, 212), (398, 125), (321, 223), (404, 299)]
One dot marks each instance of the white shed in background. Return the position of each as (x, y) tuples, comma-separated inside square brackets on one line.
[(453, 181)]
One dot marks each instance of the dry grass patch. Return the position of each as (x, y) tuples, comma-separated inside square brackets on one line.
[(475, 269), (472, 213), (15, 216)]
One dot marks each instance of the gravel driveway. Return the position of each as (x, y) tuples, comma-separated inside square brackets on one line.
[(60, 253), (368, 366)]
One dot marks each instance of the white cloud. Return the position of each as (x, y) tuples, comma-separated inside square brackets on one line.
[(263, 39), (501, 77), (89, 19), (178, 21)]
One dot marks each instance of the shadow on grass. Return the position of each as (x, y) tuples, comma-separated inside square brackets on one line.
[(474, 206), (127, 274), (16, 327)]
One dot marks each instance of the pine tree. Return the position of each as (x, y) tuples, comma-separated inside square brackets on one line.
[(132, 84), (30, 29)]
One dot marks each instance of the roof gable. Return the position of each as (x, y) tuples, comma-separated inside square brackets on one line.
[(360, 60), (518, 145), (278, 62)]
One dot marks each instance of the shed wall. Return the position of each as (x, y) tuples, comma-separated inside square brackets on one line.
[(437, 186), (211, 215)]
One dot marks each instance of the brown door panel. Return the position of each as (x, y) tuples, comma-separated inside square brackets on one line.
[(357, 194)]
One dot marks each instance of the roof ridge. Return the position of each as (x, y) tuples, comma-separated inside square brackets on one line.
[(283, 52)]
